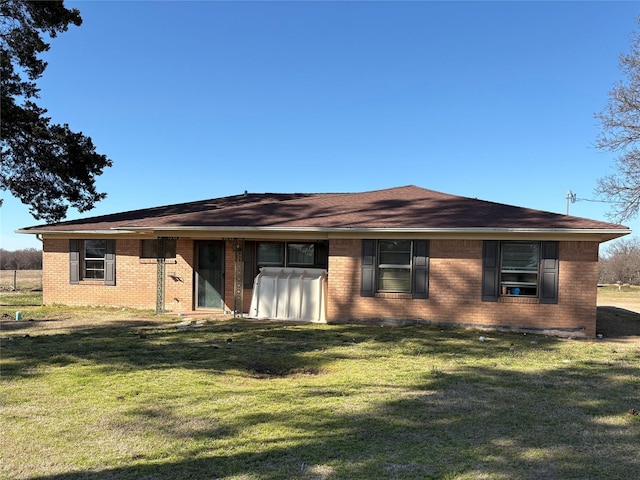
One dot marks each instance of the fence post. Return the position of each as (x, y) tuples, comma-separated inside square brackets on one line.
[(15, 280)]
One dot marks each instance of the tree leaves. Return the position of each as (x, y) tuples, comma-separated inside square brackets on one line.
[(47, 166)]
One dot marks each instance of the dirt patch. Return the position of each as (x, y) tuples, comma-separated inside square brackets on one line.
[(70, 320), (50, 326)]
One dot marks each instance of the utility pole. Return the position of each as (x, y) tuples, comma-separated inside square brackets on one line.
[(571, 197)]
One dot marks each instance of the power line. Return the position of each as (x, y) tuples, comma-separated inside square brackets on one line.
[(573, 198), (593, 200)]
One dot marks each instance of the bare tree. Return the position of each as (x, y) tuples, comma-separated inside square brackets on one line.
[(620, 134), (621, 262), (25, 259)]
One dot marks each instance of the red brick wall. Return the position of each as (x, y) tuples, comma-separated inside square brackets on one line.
[(454, 290), (454, 286), (179, 282), (136, 278)]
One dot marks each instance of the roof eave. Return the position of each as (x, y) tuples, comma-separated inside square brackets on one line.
[(66, 233), (591, 234)]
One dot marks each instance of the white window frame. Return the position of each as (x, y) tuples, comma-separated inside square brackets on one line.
[(390, 267), (86, 260), (517, 282)]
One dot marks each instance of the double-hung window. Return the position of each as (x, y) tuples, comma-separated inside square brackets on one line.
[(94, 253), (520, 269), (92, 260), (395, 266)]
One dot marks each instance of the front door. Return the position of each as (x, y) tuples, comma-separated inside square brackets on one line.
[(209, 274)]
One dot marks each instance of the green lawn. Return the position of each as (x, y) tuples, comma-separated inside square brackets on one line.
[(251, 400), (21, 299), (619, 292)]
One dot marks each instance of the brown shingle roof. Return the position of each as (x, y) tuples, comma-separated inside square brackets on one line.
[(407, 207)]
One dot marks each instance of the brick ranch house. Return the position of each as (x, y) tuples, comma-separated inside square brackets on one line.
[(399, 254)]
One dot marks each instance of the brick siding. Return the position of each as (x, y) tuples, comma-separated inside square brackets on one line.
[(454, 286), (136, 278), (455, 278)]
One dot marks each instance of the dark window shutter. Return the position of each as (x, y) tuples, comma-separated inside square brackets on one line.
[(368, 280), (322, 255), (74, 261), (490, 270), (549, 272), (110, 263), (421, 269), (249, 264)]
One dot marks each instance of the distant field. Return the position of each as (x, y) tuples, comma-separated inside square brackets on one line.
[(24, 280), (627, 297), (615, 291)]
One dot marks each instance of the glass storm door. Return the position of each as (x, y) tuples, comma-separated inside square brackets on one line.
[(209, 274)]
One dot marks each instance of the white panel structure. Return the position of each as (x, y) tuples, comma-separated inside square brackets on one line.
[(289, 294)]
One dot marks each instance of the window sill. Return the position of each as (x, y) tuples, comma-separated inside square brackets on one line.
[(519, 300), (403, 296), (167, 261), (91, 282)]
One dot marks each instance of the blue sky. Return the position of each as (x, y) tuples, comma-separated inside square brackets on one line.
[(196, 100)]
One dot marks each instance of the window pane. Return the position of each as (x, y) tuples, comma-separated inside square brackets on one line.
[(519, 278), (519, 269), (395, 252), (149, 248), (519, 290), (520, 256), (94, 253), (300, 254), (95, 248), (271, 254), (394, 279), (94, 274), (170, 248), (94, 269)]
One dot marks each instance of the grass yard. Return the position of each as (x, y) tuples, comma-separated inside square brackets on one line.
[(127, 395), (627, 295)]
